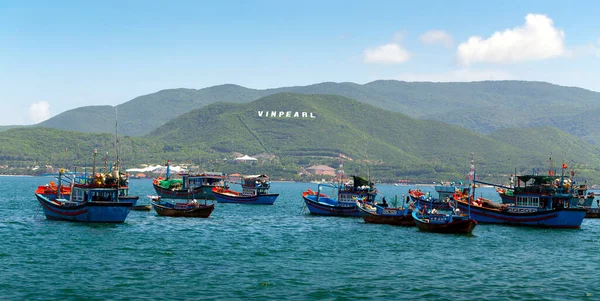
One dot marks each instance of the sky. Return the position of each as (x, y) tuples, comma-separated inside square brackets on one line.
[(60, 55)]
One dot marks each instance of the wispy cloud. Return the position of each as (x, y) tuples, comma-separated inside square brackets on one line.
[(591, 49), (392, 53), (39, 111), (437, 37), (537, 39)]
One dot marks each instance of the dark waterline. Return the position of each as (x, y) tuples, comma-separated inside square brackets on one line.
[(280, 252)]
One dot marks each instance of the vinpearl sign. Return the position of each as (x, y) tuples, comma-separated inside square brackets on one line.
[(287, 114)]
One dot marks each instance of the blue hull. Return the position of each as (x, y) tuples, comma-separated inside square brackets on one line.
[(556, 218), (93, 212), (326, 206), (263, 199)]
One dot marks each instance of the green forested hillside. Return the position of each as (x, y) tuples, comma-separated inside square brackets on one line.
[(482, 107), (40, 146), (395, 144), (384, 144)]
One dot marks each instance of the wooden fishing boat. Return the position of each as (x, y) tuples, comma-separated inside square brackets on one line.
[(192, 208), (92, 199), (142, 207), (592, 213), (255, 191), (540, 200), (190, 185), (376, 214), (51, 190), (449, 223), (342, 201), (425, 199)]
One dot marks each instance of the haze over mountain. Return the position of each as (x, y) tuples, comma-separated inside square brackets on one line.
[(480, 106)]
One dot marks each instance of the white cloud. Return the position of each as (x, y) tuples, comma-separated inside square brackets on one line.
[(460, 75), (437, 37), (538, 39), (391, 53), (39, 111)]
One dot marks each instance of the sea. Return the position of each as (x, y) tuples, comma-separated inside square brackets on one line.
[(281, 252)]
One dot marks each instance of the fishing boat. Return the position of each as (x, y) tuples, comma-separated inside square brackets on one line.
[(190, 208), (582, 199), (92, 199), (51, 192), (450, 223), (145, 206), (425, 199), (545, 201), (377, 214), (255, 191), (342, 200), (190, 185)]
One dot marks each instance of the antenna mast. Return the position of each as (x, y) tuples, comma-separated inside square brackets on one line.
[(471, 174)]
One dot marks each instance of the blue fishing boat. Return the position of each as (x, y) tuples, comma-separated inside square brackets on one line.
[(342, 200), (91, 199), (539, 200), (439, 222), (190, 185), (51, 190), (255, 191), (376, 214), (426, 199)]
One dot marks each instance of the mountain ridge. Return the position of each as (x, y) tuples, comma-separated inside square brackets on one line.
[(483, 106)]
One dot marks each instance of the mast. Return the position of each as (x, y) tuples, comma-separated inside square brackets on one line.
[(94, 164), (116, 169), (118, 163), (471, 174)]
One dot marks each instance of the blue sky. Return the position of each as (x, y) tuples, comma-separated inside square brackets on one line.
[(59, 55)]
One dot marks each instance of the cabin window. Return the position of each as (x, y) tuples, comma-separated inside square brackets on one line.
[(528, 201)]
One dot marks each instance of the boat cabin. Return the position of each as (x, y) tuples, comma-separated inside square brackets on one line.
[(202, 180), (255, 185)]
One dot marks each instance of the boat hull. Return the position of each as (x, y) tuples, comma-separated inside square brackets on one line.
[(201, 192), (397, 219), (465, 226), (92, 212), (326, 206), (555, 218), (202, 211), (592, 213), (145, 207), (263, 199)]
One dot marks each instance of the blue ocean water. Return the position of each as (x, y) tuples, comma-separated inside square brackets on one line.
[(280, 252)]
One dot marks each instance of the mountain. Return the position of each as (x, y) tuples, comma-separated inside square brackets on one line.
[(142, 114), (394, 144), (294, 131), (483, 107)]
